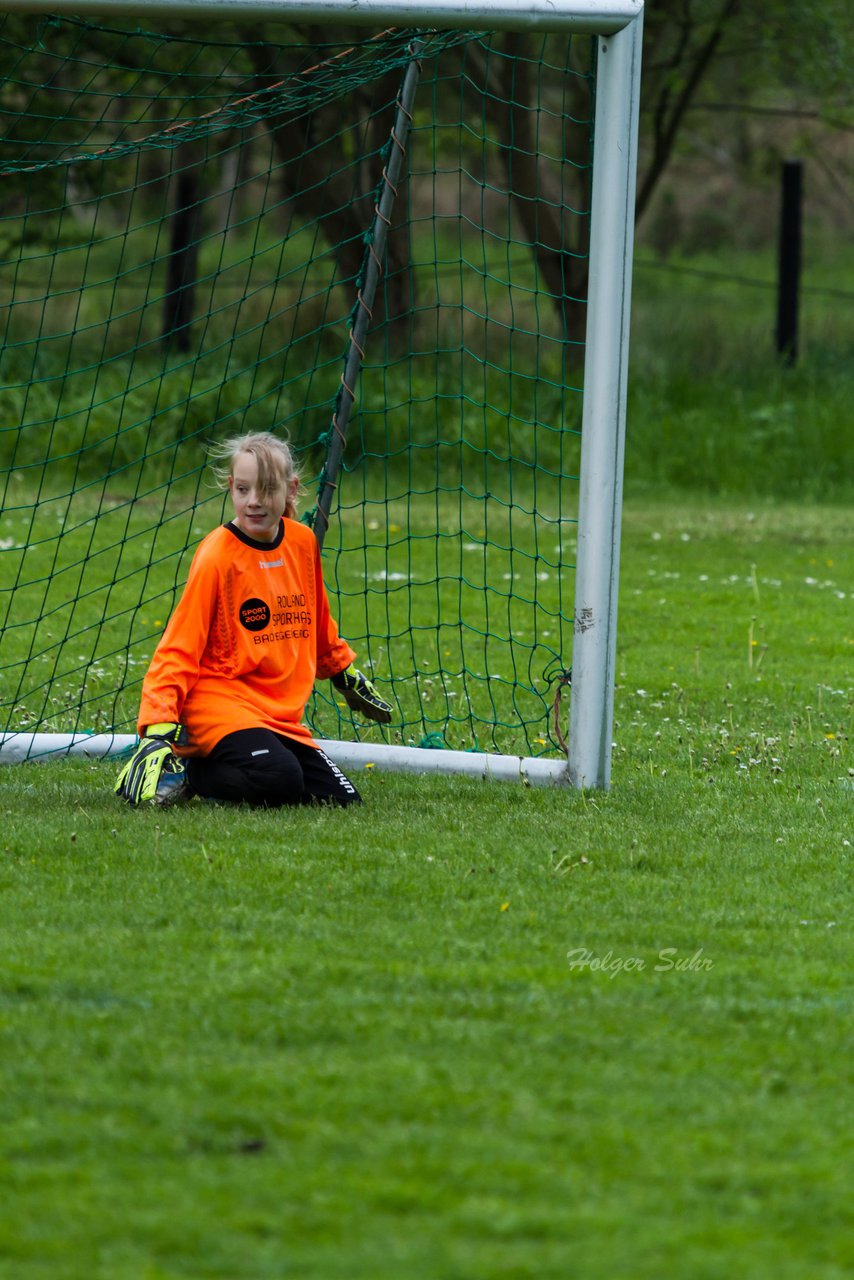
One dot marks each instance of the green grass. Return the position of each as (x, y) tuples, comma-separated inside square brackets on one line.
[(711, 408), (469, 1030)]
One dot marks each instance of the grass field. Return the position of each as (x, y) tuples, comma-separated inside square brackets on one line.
[(470, 1030)]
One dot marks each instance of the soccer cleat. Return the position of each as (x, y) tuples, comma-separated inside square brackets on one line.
[(173, 787), (154, 774), (361, 696)]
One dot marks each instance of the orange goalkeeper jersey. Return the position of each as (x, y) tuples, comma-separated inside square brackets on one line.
[(246, 641)]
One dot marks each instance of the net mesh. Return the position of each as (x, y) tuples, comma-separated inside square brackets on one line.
[(186, 229)]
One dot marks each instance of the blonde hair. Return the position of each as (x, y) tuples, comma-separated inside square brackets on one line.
[(276, 467)]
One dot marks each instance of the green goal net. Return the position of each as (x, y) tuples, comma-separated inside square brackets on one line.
[(193, 243)]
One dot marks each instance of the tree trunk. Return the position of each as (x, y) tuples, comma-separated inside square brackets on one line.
[(182, 263), (319, 175), (561, 264)]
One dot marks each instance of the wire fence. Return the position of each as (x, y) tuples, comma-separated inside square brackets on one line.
[(747, 282)]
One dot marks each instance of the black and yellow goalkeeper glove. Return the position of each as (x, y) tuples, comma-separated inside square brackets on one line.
[(360, 695), (154, 773)]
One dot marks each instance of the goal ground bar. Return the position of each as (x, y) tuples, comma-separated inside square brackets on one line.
[(16, 748)]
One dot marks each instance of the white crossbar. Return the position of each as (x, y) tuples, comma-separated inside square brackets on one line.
[(590, 17)]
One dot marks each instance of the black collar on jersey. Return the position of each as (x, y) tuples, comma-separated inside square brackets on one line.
[(254, 542)]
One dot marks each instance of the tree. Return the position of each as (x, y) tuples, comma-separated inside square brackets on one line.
[(317, 144), (743, 52)]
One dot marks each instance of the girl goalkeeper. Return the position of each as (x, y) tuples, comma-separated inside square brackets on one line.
[(222, 704)]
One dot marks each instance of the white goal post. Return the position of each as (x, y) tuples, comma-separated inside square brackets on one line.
[(617, 24)]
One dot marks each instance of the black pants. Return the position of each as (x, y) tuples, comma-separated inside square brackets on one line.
[(267, 770)]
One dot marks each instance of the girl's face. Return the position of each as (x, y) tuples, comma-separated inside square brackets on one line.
[(256, 514)]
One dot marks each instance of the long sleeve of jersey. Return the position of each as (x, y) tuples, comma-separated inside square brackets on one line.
[(249, 636)]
